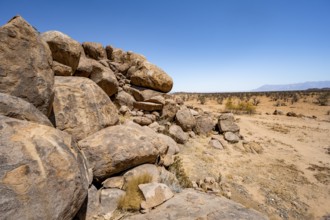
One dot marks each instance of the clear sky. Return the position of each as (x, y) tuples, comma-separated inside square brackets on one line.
[(205, 45)]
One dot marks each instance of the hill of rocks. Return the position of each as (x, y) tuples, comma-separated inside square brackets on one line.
[(79, 121)]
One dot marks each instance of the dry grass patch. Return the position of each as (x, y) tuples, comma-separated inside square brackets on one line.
[(131, 201), (178, 169)]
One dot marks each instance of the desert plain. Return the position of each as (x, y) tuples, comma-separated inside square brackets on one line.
[(281, 167)]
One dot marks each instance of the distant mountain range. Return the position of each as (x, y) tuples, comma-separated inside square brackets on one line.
[(296, 86)]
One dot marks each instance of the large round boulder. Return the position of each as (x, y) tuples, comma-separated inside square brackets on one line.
[(81, 108), (227, 123), (43, 175), (118, 148), (185, 119), (64, 49), (26, 64), (152, 77)]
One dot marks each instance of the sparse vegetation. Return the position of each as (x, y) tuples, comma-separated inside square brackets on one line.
[(132, 199), (241, 107), (202, 99), (178, 170), (323, 99), (255, 101)]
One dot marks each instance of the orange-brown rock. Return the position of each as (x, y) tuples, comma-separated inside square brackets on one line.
[(26, 64), (81, 107)]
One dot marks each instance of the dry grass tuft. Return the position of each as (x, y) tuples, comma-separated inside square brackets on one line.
[(178, 170), (131, 201)]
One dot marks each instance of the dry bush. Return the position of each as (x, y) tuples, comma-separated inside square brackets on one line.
[(255, 101), (323, 99), (241, 107), (132, 199), (177, 169)]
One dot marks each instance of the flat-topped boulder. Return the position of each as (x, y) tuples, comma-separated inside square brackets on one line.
[(143, 94), (26, 64), (82, 108), (148, 106)]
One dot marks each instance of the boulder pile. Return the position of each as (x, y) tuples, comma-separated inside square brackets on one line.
[(80, 122)]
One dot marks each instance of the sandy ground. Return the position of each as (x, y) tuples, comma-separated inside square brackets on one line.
[(290, 178)]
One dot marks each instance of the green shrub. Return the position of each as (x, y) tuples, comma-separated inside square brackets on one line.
[(131, 201)]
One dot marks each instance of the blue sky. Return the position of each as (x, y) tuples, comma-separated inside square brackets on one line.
[(205, 46)]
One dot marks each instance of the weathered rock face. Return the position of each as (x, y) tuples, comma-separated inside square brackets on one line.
[(94, 50), (151, 76), (204, 125), (15, 107), (169, 110), (200, 206), (227, 123), (43, 175), (81, 108), (61, 69), (154, 194), (142, 94), (185, 119), (101, 75), (25, 64), (178, 134), (124, 99), (118, 148), (64, 49)]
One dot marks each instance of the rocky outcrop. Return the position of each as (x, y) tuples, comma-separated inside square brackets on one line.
[(200, 206), (43, 175), (204, 125), (61, 69), (101, 75), (118, 148), (227, 123), (124, 99), (64, 49), (15, 107), (94, 50), (178, 134), (81, 108), (151, 76), (169, 110), (185, 119), (26, 64)]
